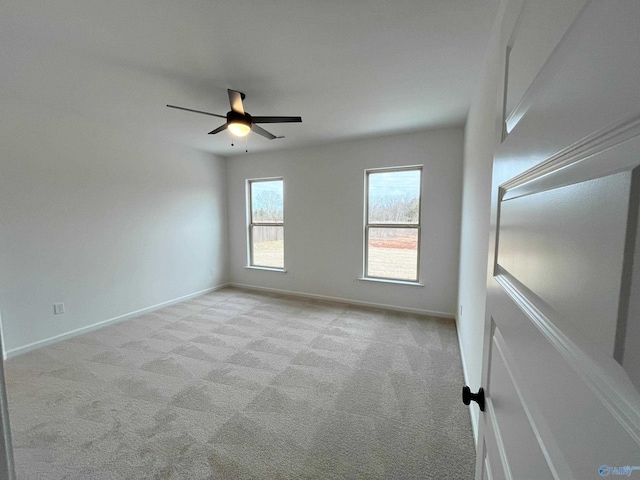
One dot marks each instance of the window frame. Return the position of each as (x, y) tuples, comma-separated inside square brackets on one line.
[(251, 223), (368, 225)]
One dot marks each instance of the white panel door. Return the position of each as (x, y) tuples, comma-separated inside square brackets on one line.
[(561, 371)]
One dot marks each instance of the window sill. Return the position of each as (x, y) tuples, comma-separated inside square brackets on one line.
[(267, 269), (396, 282)]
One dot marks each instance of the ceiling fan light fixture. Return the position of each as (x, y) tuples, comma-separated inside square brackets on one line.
[(241, 123), (239, 128)]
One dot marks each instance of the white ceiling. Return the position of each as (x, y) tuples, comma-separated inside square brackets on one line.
[(350, 68)]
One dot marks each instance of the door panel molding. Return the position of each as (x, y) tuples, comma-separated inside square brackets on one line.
[(498, 446), (548, 446), (573, 237), (487, 469), (579, 93), (604, 376), (600, 169), (529, 48), (579, 156)]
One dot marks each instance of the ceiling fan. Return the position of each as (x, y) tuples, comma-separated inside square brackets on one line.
[(239, 122)]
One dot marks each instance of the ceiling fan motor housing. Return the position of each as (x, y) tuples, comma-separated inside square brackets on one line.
[(236, 117)]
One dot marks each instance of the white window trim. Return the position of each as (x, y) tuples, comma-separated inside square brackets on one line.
[(367, 226), (268, 269), (250, 225), (385, 280)]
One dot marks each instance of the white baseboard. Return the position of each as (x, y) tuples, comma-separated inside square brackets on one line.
[(89, 328), (345, 300), (472, 411)]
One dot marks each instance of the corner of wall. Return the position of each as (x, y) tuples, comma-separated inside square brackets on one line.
[(479, 145)]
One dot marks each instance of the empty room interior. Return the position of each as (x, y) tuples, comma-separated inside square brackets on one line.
[(244, 239)]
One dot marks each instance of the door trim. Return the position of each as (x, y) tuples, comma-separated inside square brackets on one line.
[(7, 467)]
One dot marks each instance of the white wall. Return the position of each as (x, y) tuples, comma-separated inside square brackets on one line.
[(324, 214), (97, 217), (479, 144)]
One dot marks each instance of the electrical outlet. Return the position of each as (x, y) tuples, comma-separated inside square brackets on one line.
[(460, 310), (58, 308), (211, 272)]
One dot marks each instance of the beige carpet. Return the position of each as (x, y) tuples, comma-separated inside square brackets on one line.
[(244, 385)]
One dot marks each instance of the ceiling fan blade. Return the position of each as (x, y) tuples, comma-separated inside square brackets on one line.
[(218, 130), (276, 119), (263, 132), (197, 111), (235, 100)]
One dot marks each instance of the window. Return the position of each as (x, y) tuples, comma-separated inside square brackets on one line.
[(392, 223), (266, 222)]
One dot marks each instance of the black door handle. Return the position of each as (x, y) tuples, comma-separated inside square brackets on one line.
[(467, 397)]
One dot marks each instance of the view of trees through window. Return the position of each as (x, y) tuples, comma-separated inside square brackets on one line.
[(393, 223), (266, 228)]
